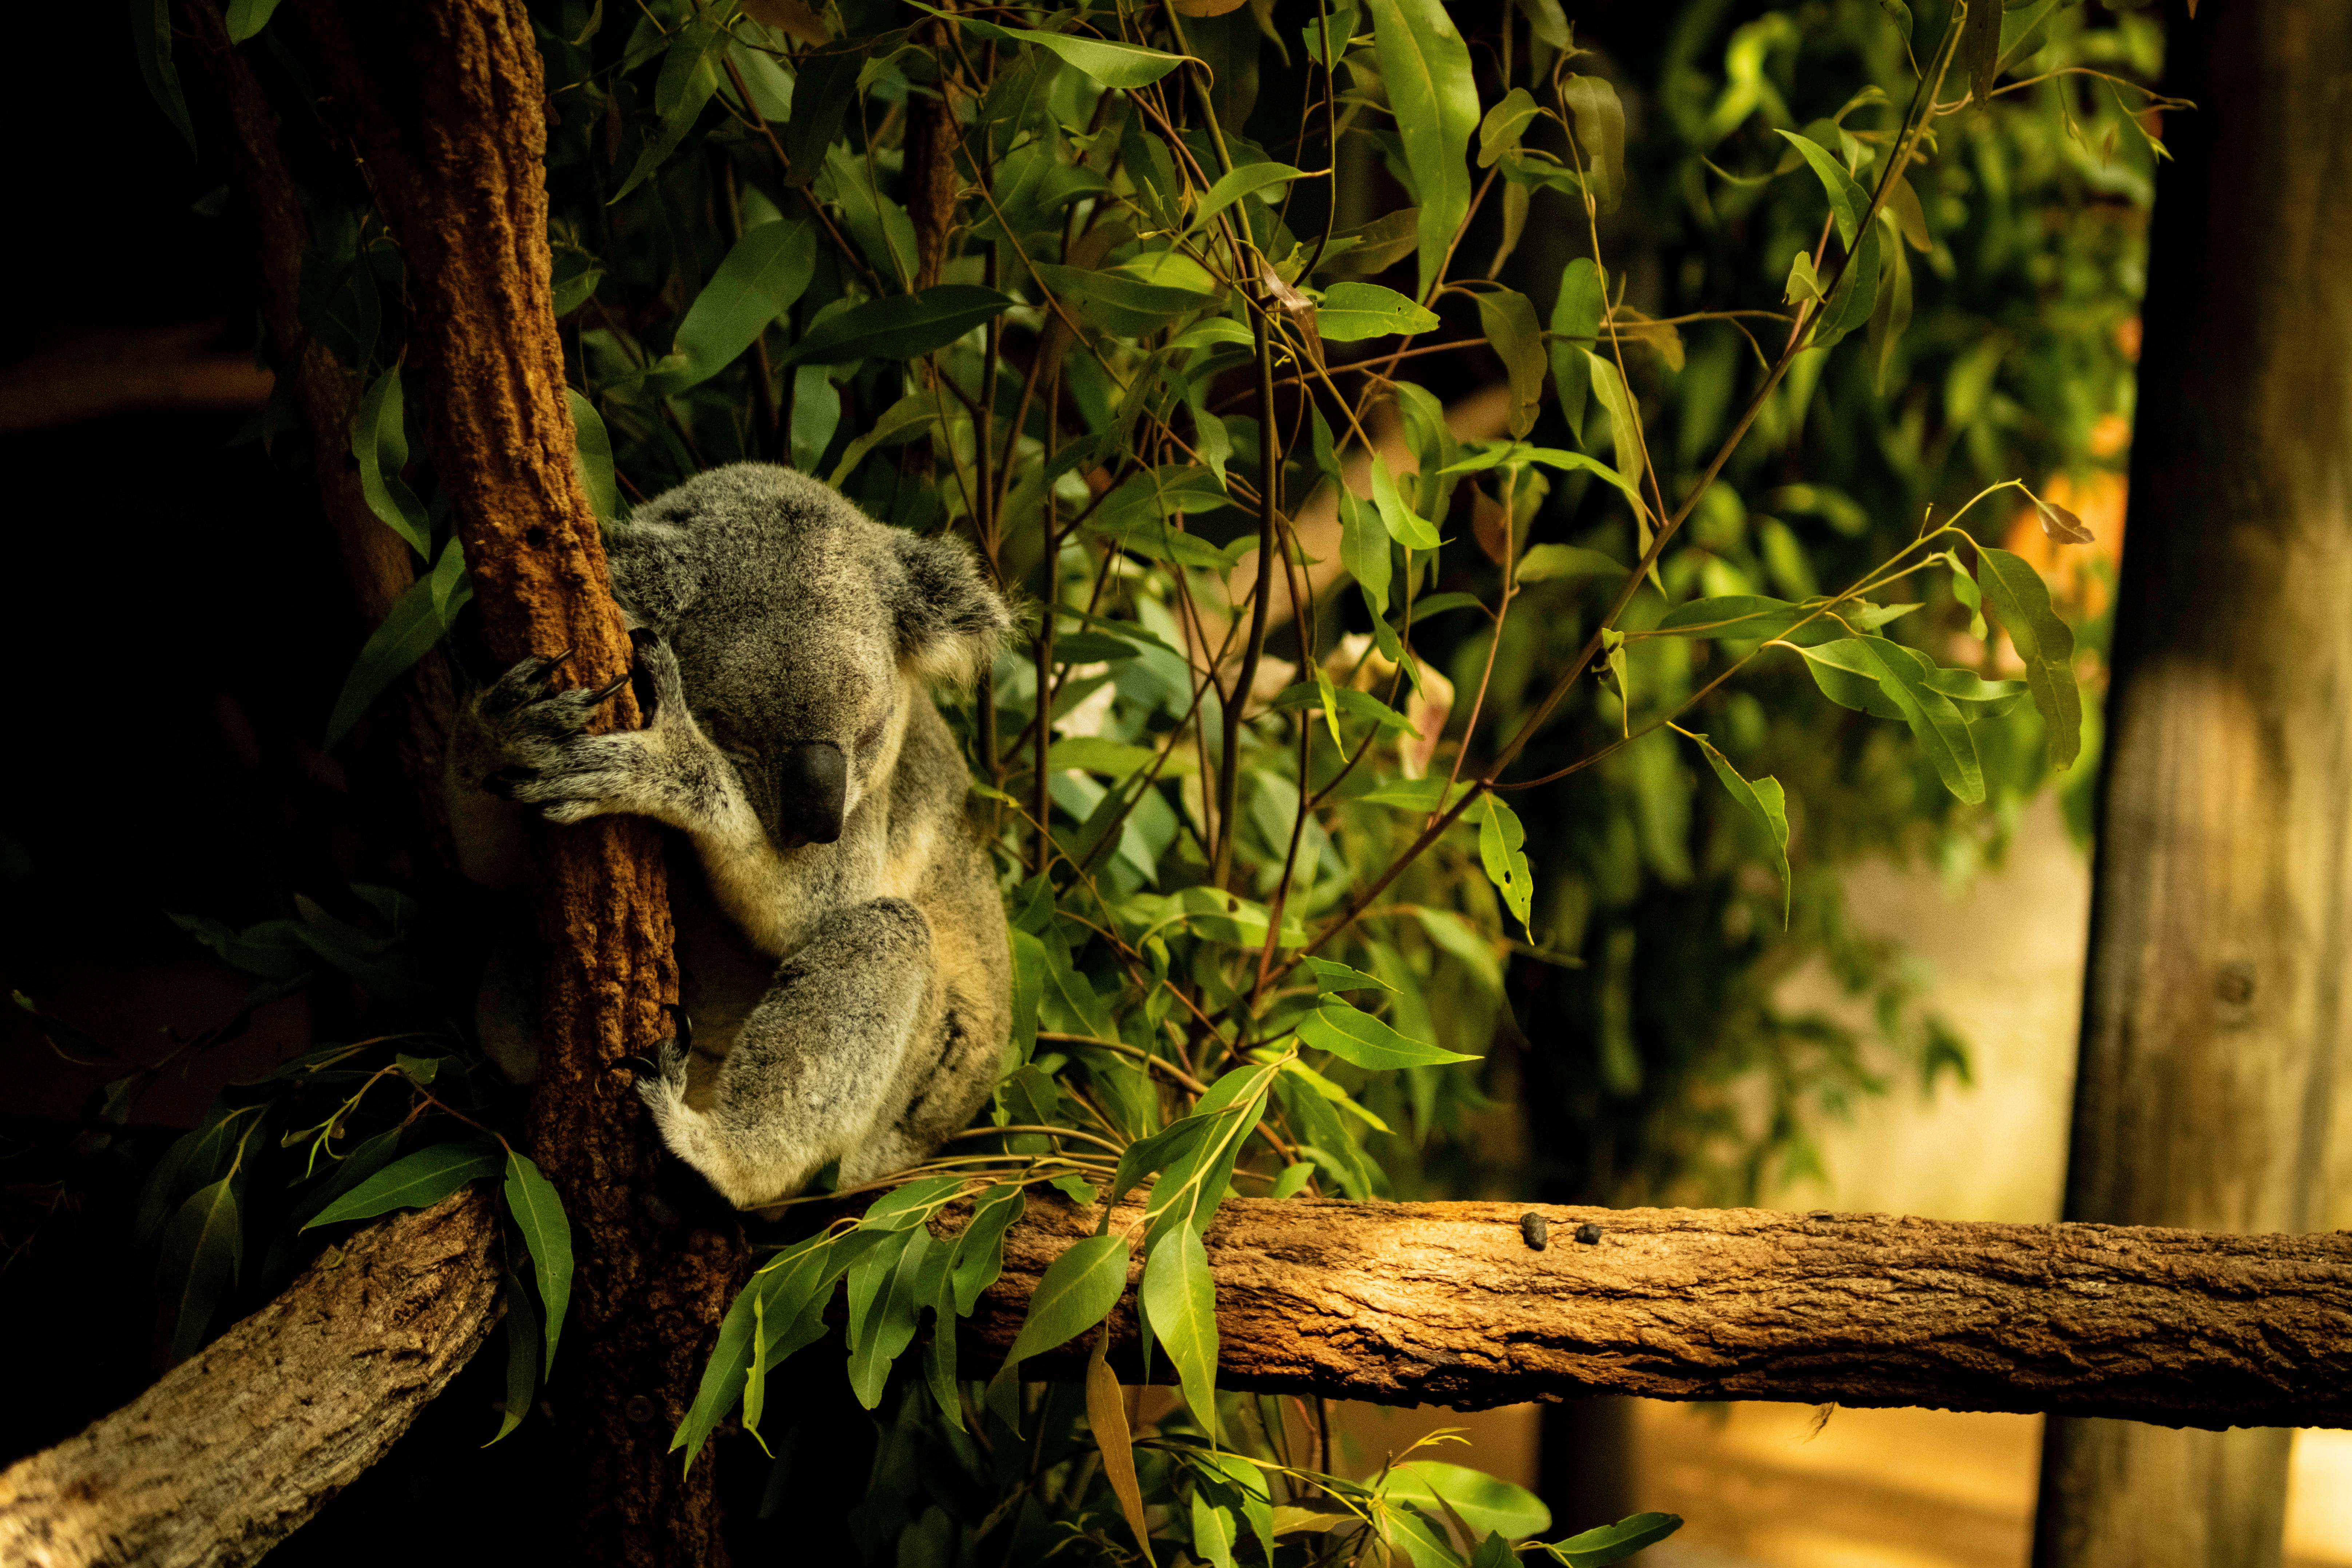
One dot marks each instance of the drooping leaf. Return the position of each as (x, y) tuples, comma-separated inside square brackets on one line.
[(1766, 802), (151, 40), (823, 88), (1404, 525), (1509, 321), (902, 326), (1180, 1298), (1242, 180), (1079, 1291), (539, 1214), (1355, 1036), (418, 1181), (1426, 68), (980, 1257), (909, 419), (200, 1250), (1106, 1418), (1500, 132), (416, 622), (1557, 562), (522, 1354), (379, 443), (1212, 1531), (1501, 841), (1331, 976), (890, 1328), (1600, 124), (595, 448), (1575, 328), (2022, 600), (764, 272), (1900, 678), (690, 76)]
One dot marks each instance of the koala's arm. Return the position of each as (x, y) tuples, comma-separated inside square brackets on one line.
[(521, 745)]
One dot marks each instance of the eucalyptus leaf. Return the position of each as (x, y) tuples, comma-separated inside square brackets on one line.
[(2021, 602), (900, 327), (539, 1214), (418, 1181), (1357, 1036), (1425, 67)]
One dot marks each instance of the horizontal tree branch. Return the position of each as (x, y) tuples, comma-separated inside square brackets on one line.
[(1394, 1303), (241, 1443), (1449, 1304)]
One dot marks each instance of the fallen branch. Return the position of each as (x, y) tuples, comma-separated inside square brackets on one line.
[(238, 1445), (1448, 1304)]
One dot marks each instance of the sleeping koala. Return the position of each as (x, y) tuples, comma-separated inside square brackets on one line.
[(842, 949)]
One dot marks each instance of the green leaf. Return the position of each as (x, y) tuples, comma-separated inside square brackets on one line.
[(763, 273), (416, 622), (1357, 1036), (1403, 524), (1212, 1531), (1149, 1155), (1848, 201), (909, 419), (980, 1254), (1901, 678), (1129, 301), (202, 1246), (1575, 326), (1766, 801), (690, 76), (1509, 319), (891, 1327), (1613, 1543), (379, 443), (1624, 434), (2022, 600), (246, 17), (1501, 838), (539, 1214), (1112, 65), (900, 327), (1180, 1298), (1242, 180), (1326, 1140), (1500, 132), (1855, 298), (419, 1180), (904, 1208), (1332, 976), (594, 450), (1079, 1291), (151, 40), (788, 1287), (1426, 68), (1555, 562), (1485, 1503), (1364, 548), (522, 1354), (1600, 121), (1351, 311), (1293, 1178)]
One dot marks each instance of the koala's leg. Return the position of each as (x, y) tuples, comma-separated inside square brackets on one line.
[(824, 1068)]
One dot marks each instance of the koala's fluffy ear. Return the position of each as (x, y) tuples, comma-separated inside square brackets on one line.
[(951, 622), (656, 572)]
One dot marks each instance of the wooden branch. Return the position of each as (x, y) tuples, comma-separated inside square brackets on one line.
[(240, 1444), (1447, 1304), (446, 105)]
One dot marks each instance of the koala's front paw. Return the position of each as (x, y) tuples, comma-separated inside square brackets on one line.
[(527, 741)]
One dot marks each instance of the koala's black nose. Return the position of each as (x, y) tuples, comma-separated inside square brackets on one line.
[(811, 780)]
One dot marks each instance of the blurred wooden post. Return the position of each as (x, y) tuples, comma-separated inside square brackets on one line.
[(2214, 1013)]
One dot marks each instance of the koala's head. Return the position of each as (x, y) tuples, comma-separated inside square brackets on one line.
[(802, 629)]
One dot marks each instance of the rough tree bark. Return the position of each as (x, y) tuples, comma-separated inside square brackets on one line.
[(1447, 1304), (2214, 1017), (446, 106), (238, 1445), (1398, 1303)]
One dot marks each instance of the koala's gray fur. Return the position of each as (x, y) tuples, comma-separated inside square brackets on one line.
[(842, 951)]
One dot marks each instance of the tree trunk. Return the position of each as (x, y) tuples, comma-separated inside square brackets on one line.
[(1447, 1304), (2214, 1010), (375, 559), (238, 1445), (447, 106)]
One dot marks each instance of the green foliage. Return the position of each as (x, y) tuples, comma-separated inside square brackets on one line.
[(1300, 751)]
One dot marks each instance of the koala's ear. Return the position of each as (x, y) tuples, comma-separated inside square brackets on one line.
[(951, 622)]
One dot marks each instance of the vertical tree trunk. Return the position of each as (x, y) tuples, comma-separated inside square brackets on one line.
[(2214, 1013), (446, 104)]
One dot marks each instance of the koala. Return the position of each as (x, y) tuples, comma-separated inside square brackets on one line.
[(842, 949)]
